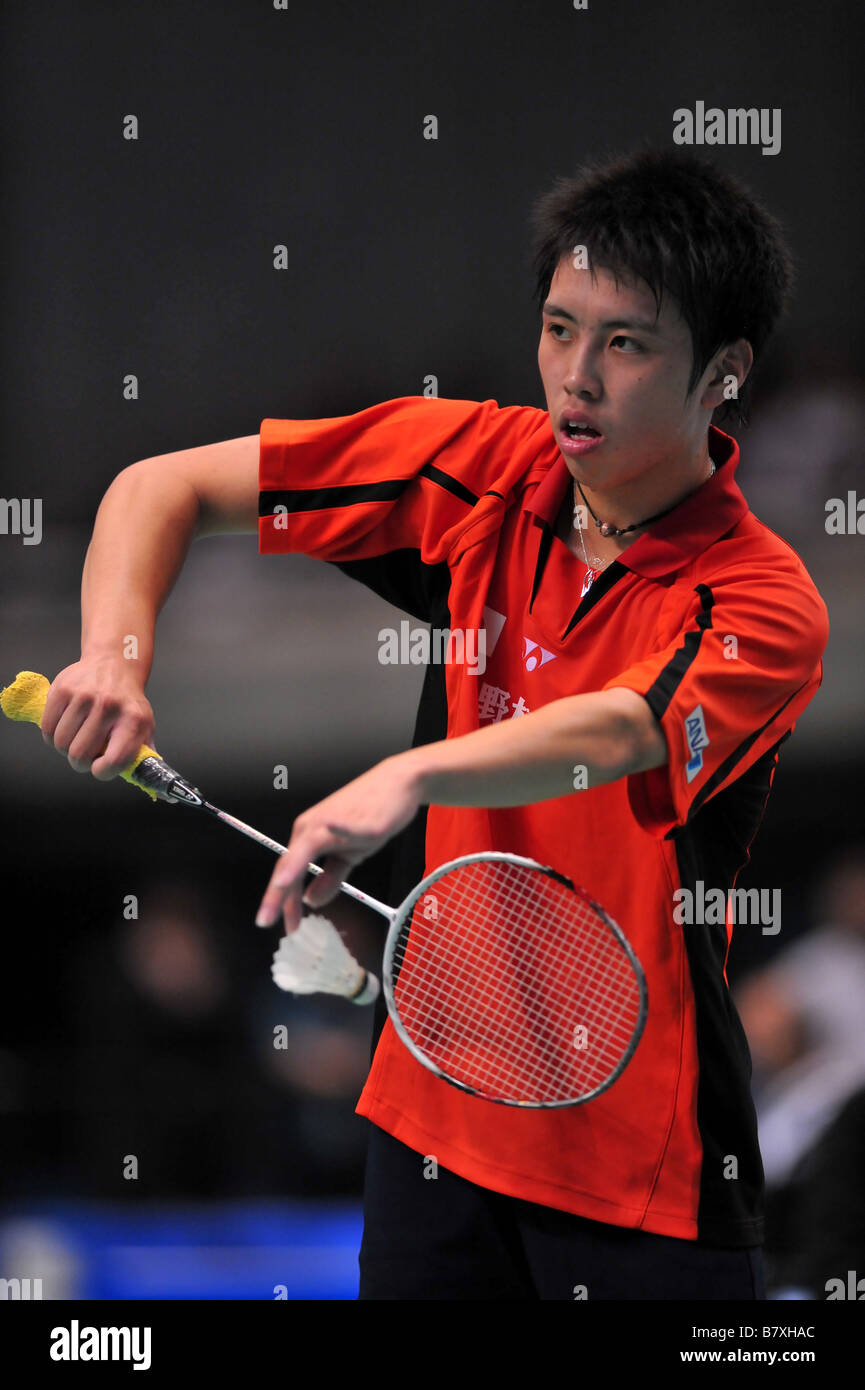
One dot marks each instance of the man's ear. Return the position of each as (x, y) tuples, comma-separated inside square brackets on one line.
[(727, 373)]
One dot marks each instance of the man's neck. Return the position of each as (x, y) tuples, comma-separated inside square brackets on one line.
[(598, 548), (605, 549)]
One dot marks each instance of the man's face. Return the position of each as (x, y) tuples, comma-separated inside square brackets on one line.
[(629, 379)]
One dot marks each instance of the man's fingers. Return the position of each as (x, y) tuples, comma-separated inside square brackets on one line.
[(126, 738), (326, 886), (69, 727), (336, 834), (283, 894), (89, 743)]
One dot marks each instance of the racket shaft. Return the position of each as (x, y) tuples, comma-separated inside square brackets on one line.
[(277, 848), (159, 777)]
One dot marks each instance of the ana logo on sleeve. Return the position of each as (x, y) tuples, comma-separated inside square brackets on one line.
[(696, 739)]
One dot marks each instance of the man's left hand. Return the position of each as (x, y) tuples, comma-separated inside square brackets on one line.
[(337, 834)]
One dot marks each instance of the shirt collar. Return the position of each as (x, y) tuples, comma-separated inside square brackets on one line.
[(699, 520)]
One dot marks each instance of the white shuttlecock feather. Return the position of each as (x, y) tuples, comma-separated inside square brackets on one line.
[(315, 960)]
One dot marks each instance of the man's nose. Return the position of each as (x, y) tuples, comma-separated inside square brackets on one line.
[(583, 376)]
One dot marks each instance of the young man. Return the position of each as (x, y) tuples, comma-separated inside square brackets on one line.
[(649, 646)]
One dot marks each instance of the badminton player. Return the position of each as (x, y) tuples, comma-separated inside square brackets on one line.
[(650, 645)]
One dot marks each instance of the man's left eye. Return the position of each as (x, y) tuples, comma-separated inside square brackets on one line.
[(621, 338)]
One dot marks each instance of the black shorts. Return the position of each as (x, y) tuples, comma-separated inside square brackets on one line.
[(442, 1237)]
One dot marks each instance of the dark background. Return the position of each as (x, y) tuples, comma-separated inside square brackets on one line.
[(406, 257)]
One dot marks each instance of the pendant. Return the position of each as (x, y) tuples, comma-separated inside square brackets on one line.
[(587, 583)]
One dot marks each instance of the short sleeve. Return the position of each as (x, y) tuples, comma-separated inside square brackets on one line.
[(408, 473), (732, 683)]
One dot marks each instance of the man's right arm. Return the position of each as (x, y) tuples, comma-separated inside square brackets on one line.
[(96, 713)]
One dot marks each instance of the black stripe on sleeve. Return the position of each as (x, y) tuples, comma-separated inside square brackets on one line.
[(436, 475), (317, 499), (665, 685)]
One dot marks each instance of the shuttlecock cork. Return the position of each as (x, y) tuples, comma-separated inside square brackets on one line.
[(24, 700), (314, 959)]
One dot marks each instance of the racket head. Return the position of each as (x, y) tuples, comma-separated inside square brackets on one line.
[(491, 966)]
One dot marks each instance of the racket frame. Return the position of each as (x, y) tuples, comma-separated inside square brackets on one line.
[(400, 916), (169, 785)]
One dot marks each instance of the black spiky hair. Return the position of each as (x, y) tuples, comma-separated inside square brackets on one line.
[(674, 220)]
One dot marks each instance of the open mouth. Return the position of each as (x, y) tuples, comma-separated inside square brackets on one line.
[(578, 431)]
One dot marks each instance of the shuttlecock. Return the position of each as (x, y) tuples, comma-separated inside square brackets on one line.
[(315, 960)]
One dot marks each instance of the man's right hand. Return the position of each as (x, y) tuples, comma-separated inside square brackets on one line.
[(97, 716)]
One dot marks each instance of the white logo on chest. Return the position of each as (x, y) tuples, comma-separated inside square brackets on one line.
[(535, 655)]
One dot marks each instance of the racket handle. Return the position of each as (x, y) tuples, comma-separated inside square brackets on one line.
[(24, 701), (153, 774)]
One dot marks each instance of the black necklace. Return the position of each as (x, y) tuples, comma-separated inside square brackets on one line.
[(607, 528)]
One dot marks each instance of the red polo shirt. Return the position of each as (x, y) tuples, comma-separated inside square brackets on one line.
[(447, 509)]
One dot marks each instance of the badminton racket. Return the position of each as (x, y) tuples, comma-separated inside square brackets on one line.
[(500, 976), (503, 978)]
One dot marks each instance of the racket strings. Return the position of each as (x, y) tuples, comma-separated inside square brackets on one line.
[(531, 1032), (532, 1029), (514, 985)]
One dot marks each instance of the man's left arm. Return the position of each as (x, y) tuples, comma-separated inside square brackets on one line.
[(606, 734)]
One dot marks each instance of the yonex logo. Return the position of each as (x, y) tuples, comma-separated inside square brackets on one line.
[(536, 656), (697, 739), (184, 793)]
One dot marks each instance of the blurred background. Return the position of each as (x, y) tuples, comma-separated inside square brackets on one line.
[(155, 1142)]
